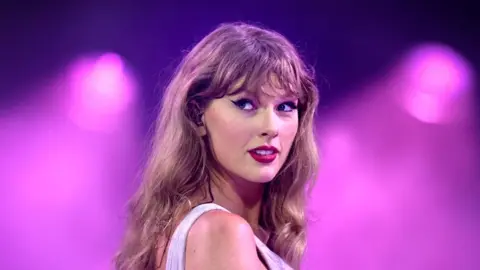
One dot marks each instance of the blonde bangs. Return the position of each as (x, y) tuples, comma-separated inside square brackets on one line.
[(273, 74)]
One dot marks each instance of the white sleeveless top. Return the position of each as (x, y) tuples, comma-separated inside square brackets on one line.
[(177, 246)]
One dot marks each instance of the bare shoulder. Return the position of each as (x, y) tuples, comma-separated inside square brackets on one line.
[(221, 240)]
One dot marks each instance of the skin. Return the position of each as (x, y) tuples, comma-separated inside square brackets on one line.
[(238, 123), (234, 125), (221, 240)]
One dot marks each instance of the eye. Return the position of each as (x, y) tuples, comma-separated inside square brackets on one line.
[(287, 106), (244, 104)]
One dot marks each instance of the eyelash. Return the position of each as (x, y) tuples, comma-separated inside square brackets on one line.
[(241, 103)]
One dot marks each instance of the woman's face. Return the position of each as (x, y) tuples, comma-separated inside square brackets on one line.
[(251, 133)]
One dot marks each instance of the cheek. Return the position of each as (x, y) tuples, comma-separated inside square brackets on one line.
[(289, 131), (225, 129)]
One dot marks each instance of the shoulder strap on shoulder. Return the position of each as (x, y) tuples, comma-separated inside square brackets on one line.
[(178, 241)]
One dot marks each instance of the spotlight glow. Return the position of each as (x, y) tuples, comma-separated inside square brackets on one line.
[(102, 89), (436, 77)]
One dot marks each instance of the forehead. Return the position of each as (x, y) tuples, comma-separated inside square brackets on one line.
[(272, 88)]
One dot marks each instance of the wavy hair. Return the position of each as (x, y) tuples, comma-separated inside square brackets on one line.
[(179, 165)]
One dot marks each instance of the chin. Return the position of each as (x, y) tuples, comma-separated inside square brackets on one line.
[(265, 180), (263, 177)]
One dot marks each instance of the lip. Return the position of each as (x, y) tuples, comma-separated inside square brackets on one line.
[(265, 148), (264, 159)]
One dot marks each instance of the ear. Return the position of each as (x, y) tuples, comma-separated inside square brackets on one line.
[(201, 128)]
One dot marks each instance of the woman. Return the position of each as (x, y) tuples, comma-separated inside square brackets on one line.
[(233, 154)]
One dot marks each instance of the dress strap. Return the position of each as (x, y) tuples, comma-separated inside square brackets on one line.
[(178, 242)]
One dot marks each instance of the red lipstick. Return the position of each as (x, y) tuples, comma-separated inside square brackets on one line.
[(264, 154)]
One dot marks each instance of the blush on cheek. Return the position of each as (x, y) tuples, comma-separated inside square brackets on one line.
[(290, 131), (225, 127)]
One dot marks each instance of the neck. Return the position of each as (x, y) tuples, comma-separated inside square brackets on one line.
[(239, 196)]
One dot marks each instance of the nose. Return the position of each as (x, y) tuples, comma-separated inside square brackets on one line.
[(269, 124)]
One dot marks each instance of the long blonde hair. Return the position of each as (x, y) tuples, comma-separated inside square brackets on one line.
[(179, 165)]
